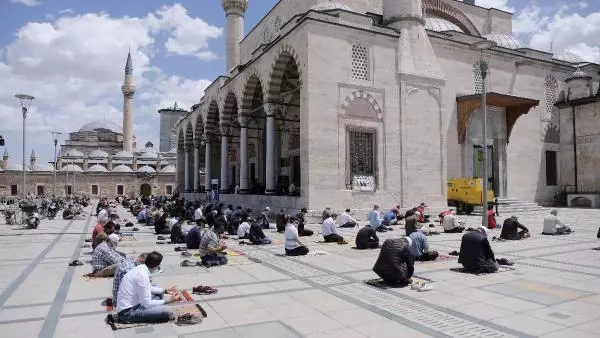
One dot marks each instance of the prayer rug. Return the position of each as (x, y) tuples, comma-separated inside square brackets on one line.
[(440, 258), (194, 309), (502, 268), (116, 325), (317, 253), (89, 278), (380, 284)]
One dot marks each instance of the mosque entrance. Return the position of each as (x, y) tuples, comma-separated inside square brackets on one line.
[(145, 189)]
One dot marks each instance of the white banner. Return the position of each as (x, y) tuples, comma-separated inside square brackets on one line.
[(363, 183)]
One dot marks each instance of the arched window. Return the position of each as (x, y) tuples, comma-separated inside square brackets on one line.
[(360, 62), (551, 94), (477, 78)]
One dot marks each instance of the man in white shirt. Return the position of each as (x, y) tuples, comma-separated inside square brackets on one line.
[(329, 233), (451, 224), (553, 226), (198, 217), (135, 303), (243, 230), (293, 245), (346, 221)]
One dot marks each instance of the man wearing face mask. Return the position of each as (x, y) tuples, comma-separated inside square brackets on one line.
[(136, 302)]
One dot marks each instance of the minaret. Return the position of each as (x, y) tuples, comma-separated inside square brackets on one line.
[(32, 160), (421, 86), (5, 159), (234, 31), (128, 90)]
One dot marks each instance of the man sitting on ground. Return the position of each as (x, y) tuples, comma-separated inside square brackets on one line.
[(198, 217), (451, 224), (421, 213), (265, 220), (211, 248), (390, 217), (192, 239), (135, 301), (243, 230), (346, 221), (293, 245), (510, 229), (476, 254), (411, 222), (123, 268), (395, 264), (104, 258), (280, 221), (141, 216), (553, 226), (256, 234), (420, 247), (176, 232), (375, 221), (329, 233), (102, 221), (301, 222), (366, 238), (491, 217)]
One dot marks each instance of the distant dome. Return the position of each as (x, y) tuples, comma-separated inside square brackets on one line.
[(102, 126), (506, 40), (578, 74), (441, 25), (98, 154), (42, 168), (169, 169), (123, 154), (146, 169), (563, 55), (97, 169), (72, 168), (16, 167), (73, 153), (122, 169), (329, 6)]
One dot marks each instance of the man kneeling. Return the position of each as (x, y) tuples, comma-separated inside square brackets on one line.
[(135, 302), (395, 264), (366, 238), (476, 254), (510, 229), (420, 247)]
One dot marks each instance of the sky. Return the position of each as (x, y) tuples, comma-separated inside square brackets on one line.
[(70, 55)]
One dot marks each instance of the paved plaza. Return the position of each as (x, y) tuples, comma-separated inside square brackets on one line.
[(553, 291)]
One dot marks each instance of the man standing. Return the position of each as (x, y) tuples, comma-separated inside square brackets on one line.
[(198, 217)]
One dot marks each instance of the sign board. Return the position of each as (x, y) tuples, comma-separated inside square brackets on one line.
[(363, 183), (215, 181)]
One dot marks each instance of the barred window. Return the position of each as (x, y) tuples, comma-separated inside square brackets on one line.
[(360, 62), (551, 95), (94, 189), (120, 190), (361, 153), (477, 78), (169, 190)]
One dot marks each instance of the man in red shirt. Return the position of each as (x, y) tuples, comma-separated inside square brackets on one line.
[(491, 217), (99, 228)]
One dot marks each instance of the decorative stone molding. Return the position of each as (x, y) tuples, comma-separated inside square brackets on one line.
[(235, 6), (552, 134), (212, 117), (284, 55), (362, 95), (253, 80), (443, 10)]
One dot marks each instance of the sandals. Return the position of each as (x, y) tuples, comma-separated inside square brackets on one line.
[(204, 290), (186, 254), (160, 238), (187, 263), (76, 263), (180, 248), (454, 253)]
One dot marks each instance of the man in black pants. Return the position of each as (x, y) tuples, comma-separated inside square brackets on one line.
[(510, 229), (395, 264), (476, 254), (301, 230), (366, 238)]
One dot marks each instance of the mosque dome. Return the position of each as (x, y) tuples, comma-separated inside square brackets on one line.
[(123, 154), (330, 6), (168, 169), (102, 126), (42, 168), (97, 169), (441, 25), (563, 55), (73, 153), (98, 153), (146, 169), (122, 169), (506, 40), (72, 168), (577, 75)]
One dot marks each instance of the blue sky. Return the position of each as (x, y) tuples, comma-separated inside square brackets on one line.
[(70, 54)]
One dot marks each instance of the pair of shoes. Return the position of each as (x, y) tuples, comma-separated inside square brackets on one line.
[(188, 319), (160, 238), (343, 243), (88, 240), (186, 254), (454, 253), (187, 263), (75, 263), (202, 289), (136, 229), (180, 248), (504, 261), (432, 225)]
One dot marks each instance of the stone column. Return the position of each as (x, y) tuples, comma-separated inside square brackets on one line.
[(224, 164), (207, 164), (270, 151), (243, 156), (186, 168), (196, 168)]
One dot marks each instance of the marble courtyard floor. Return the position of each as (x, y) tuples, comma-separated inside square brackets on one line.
[(553, 291)]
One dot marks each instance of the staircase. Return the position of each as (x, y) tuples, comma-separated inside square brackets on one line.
[(509, 206)]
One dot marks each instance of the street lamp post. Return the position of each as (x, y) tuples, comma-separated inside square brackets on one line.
[(25, 101), (55, 138), (481, 46)]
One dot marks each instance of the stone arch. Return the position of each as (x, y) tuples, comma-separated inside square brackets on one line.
[(181, 140), (252, 88), (285, 55), (552, 134), (443, 10), (362, 99), (230, 109), (212, 118), (189, 134), (199, 129)]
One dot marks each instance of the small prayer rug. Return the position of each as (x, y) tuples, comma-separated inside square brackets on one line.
[(502, 268), (380, 284), (440, 258)]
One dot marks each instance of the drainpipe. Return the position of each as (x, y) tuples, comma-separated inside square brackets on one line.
[(575, 149)]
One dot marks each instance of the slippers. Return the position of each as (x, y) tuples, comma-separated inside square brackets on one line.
[(454, 253), (88, 240), (76, 263), (504, 261), (202, 289), (160, 238), (180, 248), (187, 263), (186, 254), (136, 229)]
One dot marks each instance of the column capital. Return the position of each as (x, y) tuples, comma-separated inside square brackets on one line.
[(243, 121), (270, 109), (189, 147)]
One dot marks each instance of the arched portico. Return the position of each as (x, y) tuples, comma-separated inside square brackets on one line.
[(189, 157), (180, 161)]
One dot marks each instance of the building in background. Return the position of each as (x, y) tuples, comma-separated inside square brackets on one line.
[(168, 119), (96, 161)]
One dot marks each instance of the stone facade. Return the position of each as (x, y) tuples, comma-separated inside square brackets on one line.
[(317, 78)]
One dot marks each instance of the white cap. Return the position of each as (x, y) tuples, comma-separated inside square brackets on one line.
[(483, 230), (114, 238), (267, 209), (409, 240)]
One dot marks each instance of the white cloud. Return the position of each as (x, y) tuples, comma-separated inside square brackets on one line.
[(66, 11), (26, 2), (561, 28), (498, 4), (74, 66), (582, 4)]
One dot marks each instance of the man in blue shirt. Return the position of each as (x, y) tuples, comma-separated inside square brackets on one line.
[(375, 222), (390, 217), (419, 247)]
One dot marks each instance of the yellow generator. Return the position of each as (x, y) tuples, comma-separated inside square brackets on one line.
[(466, 193)]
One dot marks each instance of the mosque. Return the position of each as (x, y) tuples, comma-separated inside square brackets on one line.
[(356, 102), (100, 159)]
